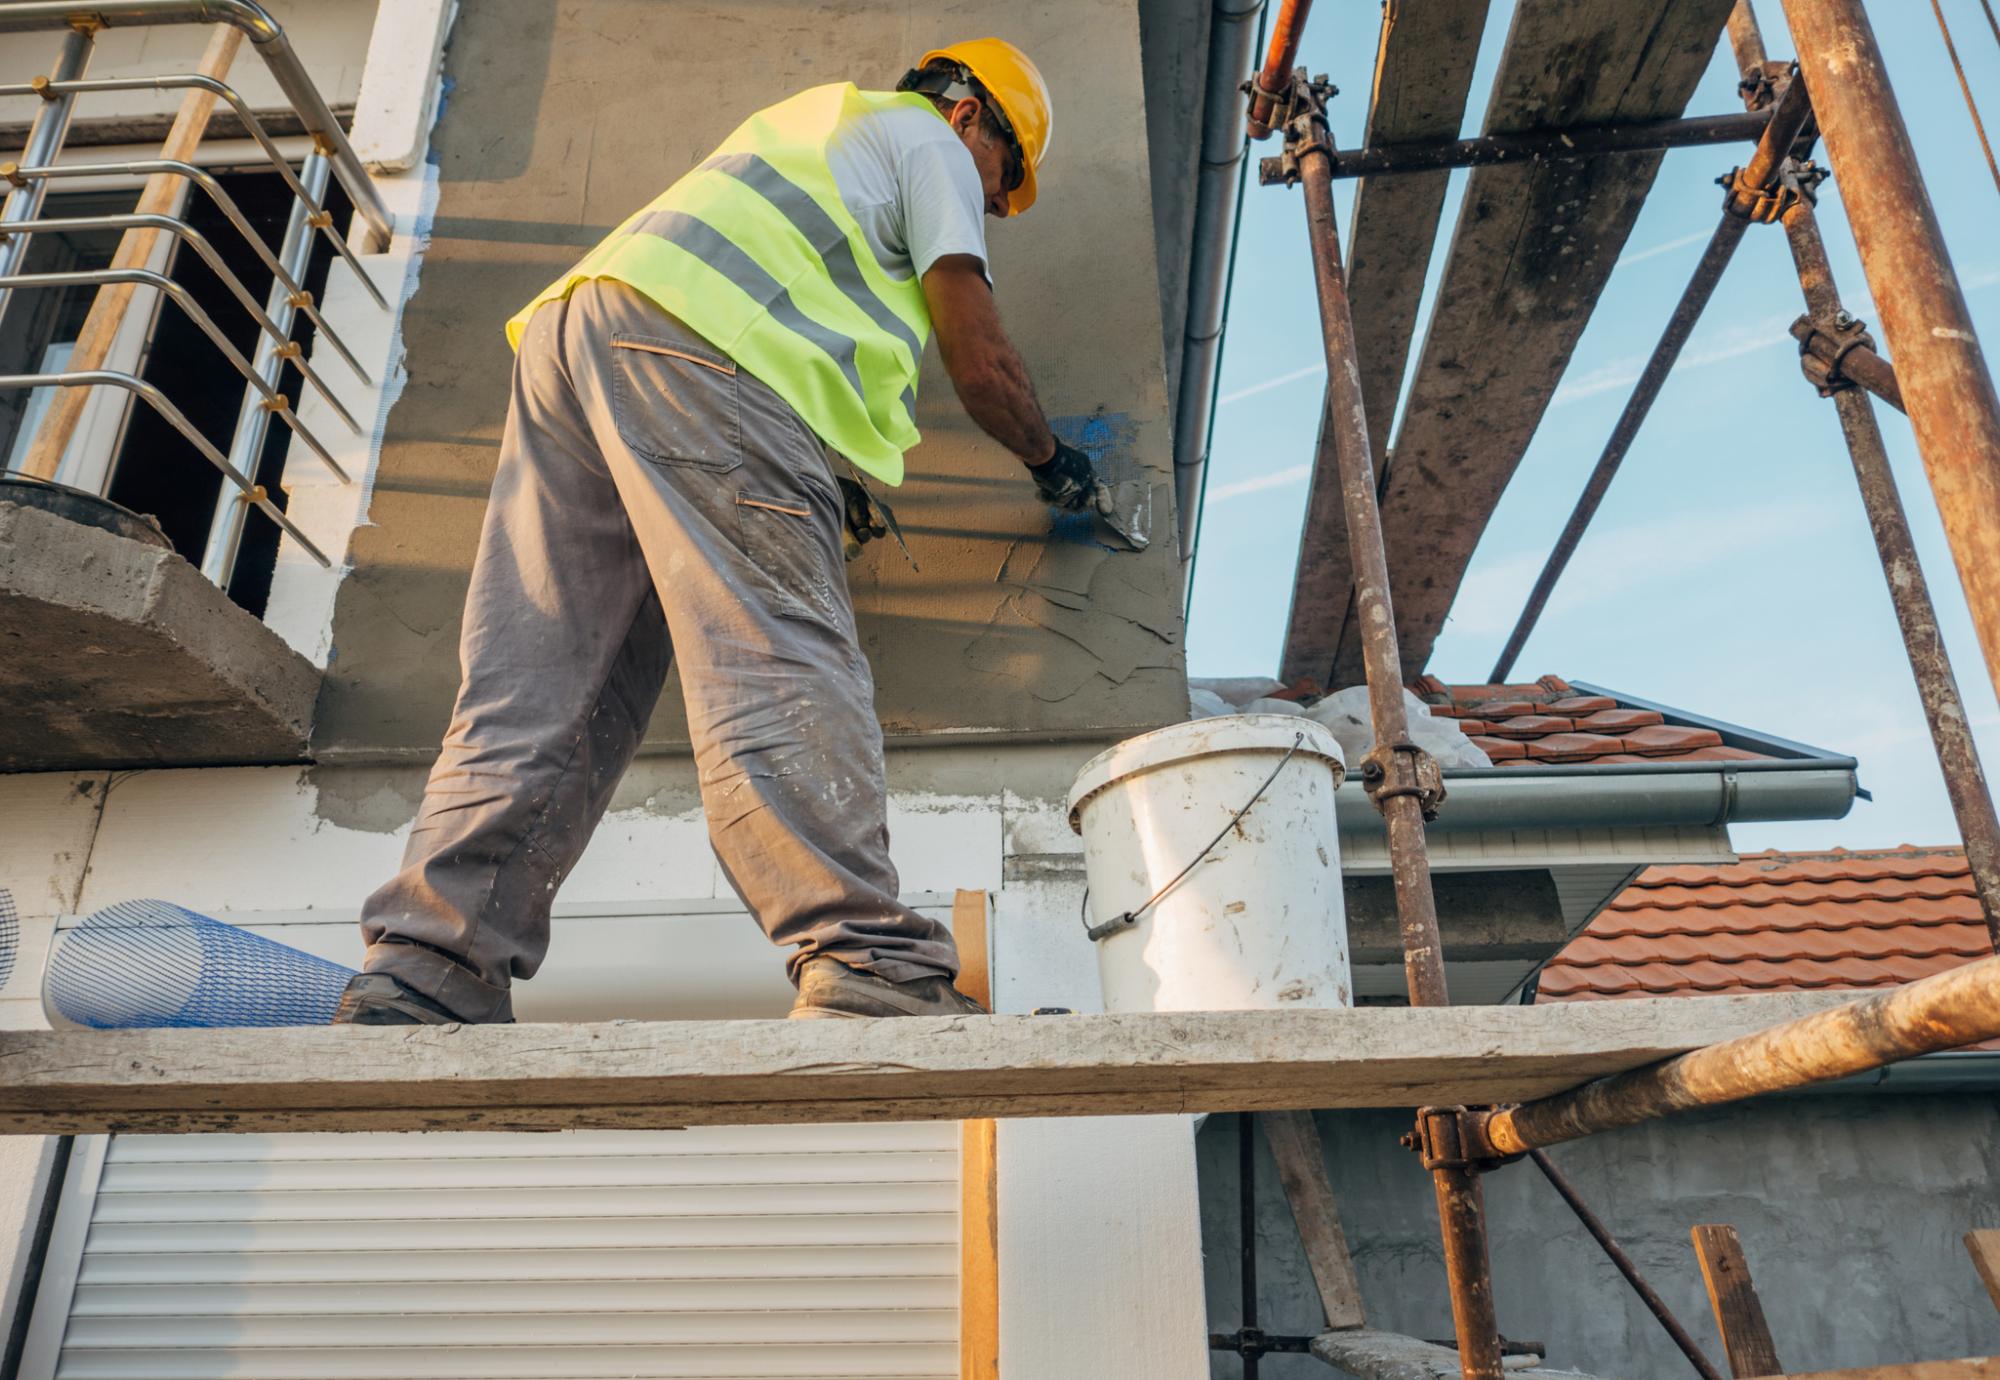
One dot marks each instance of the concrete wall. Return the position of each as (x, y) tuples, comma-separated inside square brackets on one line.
[(1850, 1207), (561, 121)]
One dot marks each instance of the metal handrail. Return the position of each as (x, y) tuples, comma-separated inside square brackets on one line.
[(332, 155), (145, 277), (157, 400), (227, 524), (22, 15), (198, 242), (223, 203), (322, 219)]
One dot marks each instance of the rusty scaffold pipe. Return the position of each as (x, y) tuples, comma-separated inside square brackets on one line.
[(1947, 387), (1267, 88), (1531, 146), (1944, 1011), (1780, 132), (1849, 360), (1403, 780), (1625, 1266)]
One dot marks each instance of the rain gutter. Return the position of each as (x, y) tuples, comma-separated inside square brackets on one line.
[(1789, 781), (1232, 50), (1954, 1070)]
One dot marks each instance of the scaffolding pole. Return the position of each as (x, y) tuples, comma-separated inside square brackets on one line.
[(1403, 781), (1851, 362), (1944, 1011), (1946, 386), (1780, 132)]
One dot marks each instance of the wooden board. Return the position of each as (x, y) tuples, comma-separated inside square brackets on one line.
[(1295, 1146), (1984, 1247), (1393, 1356), (1971, 1368), (1532, 250), (978, 1171), (1423, 70), (160, 197), (634, 1074), (1739, 1315)]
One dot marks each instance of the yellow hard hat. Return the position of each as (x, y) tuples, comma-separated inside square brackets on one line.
[(1023, 97)]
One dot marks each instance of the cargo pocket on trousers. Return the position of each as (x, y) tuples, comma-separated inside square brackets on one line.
[(674, 405), (779, 539)]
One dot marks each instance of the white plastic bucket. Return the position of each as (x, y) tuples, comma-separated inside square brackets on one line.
[(1260, 922)]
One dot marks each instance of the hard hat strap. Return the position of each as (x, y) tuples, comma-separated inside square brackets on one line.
[(954, 81)]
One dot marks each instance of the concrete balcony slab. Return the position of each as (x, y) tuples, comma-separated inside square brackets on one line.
[(115, 652)]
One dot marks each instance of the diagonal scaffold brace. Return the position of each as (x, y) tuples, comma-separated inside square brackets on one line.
[(1403, 780)]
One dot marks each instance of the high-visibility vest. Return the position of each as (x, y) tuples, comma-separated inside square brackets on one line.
[(755, 251)]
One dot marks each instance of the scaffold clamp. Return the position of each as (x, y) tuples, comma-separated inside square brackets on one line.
[(1797, 181), (1398, 769), (1454, 1138), (1824, 345), (1300, 110)]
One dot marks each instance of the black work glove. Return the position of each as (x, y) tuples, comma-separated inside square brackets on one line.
[(1066, 479), (864, 520)]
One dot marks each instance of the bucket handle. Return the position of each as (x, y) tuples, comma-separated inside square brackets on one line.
[(1125, 920)]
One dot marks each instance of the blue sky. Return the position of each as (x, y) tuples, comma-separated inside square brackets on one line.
[(1730, 571)]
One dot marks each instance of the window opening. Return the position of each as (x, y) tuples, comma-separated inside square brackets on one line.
[(155, 470), (43, 323)]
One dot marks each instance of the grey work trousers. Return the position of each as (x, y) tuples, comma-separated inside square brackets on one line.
[(651, 502)]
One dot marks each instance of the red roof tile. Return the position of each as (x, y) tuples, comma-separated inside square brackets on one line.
[(1499, 749), (1546, 721), (1530, 726), (1662, 738), (1609, 719), (1571, 747), (1586, 704), (1774, 921)]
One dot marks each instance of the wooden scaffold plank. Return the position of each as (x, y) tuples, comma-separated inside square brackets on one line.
[(1531, 252), (1739, 1314), (1423, 71), (633, 1074), (1295, 1147)]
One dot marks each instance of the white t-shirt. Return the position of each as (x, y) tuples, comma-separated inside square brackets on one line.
[(909, 180)]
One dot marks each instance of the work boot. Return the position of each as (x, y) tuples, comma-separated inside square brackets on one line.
[(830, 990), (378, 999)]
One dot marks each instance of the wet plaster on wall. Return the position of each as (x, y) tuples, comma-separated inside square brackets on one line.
[(563, 120)]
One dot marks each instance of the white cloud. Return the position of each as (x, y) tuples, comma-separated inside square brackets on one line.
[(1725, 343), (1650, 554), (1669, 247), (1297, 474), (1712, 347), (1311, 371)]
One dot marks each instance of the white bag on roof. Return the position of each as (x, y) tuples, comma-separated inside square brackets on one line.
[(1239, 690), (1346, 713)]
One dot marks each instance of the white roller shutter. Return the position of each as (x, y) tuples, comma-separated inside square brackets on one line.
[(807, 1251)]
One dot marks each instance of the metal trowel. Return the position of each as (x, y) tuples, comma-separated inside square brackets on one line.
[(1123, 509)]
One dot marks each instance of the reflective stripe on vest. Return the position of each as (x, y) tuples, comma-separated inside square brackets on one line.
[(755, 251)]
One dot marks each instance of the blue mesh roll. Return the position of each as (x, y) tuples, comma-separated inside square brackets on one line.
[(152, 963), (10, 935)]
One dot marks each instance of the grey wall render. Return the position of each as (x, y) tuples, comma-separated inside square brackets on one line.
[(1850, 1206), (561, 120)]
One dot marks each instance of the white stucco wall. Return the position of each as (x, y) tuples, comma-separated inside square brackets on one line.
[(1099, 1226)]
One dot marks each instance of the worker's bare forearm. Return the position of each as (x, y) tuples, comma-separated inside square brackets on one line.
[(997, 394), (985, 368)]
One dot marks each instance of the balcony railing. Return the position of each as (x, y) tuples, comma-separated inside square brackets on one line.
[(41, 167)]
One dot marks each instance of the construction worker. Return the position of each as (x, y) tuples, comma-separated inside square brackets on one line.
[(664, 494)]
